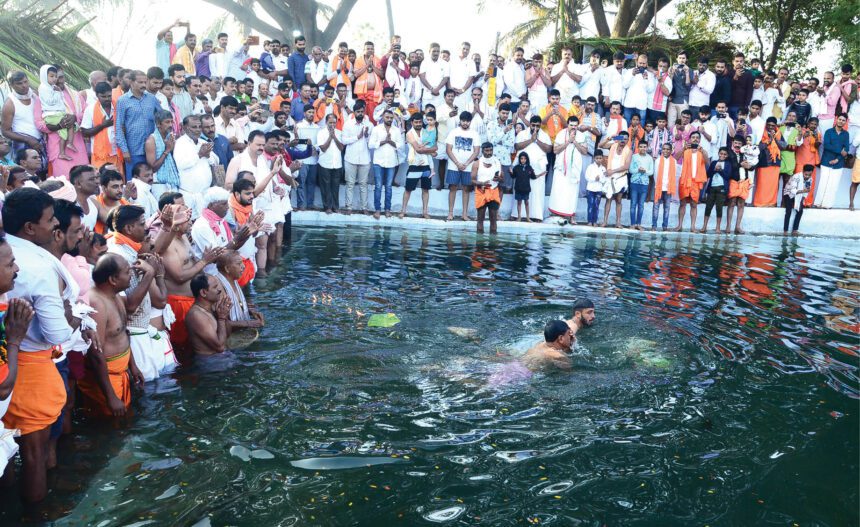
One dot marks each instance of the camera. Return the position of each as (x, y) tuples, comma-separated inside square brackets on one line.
[(742, 121), (721, 115)]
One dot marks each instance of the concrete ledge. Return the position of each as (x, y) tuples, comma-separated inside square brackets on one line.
[(837, 223)]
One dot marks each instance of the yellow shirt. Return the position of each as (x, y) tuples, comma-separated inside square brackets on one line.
[(185, 57)]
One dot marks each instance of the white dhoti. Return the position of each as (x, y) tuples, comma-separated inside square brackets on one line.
[(536, 198), (148, 352), (828, 183)]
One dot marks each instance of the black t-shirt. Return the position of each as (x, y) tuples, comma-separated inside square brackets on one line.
[(523, 174)]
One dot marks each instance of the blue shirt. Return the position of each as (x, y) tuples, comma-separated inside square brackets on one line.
[(221, 148), (297, 110), (135, 121), (296, 66), (646, 162), (834, 143)]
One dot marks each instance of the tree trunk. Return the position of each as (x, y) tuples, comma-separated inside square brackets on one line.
[(627, 9), (599, 15), (786, 23), (646, 16), (390, 14)]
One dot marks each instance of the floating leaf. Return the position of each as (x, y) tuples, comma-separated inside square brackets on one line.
[(382, 321)]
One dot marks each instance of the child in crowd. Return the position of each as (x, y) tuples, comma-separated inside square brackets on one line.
[(743, 128), (795, 190), (429, 136), (576, 108), (595, 175), (54, 108), (522, 174), (758, 88), (750, 153)]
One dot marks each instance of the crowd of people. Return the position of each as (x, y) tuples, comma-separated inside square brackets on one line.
[(136, 210)]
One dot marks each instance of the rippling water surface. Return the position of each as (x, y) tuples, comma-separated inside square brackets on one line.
[(719, 386)]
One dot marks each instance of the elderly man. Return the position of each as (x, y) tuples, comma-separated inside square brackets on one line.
[(18, 122), (242, 314), (98, 126), (194, 159), (135, 121), (208, 319), (211, 229)]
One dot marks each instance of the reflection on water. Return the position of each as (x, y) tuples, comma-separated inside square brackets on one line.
[(719, 386)]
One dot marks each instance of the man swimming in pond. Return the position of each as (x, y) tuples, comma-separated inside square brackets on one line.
[(583, 315), (554, 352)]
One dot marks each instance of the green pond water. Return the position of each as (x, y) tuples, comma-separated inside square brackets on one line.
[(719, 386)]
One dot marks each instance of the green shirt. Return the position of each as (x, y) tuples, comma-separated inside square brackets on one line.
[(789, 135)]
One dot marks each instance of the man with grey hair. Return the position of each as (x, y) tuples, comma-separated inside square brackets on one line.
[(316, 69), (89, 95), (204, 60)]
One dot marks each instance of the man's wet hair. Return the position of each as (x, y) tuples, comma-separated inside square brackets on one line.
[(582, 304), (554, 329)]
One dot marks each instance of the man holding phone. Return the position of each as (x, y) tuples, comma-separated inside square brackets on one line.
[(681, 82)]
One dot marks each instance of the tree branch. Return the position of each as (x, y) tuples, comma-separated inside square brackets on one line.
[(599, 15), (341, 13), (245, 16), (646, 15), (785, 23)]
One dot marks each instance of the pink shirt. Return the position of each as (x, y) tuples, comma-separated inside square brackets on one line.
[(81, 272), (60, 167)]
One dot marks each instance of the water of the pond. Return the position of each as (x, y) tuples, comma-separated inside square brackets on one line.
[(719, 386)]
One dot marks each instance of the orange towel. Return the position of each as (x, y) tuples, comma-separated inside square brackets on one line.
[(687, 186), (39, 395), (180, 306), (248, 274), (766, 186), (485, 196), (117, 367), (739, 189)]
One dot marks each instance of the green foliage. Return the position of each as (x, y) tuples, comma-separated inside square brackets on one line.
[(655, 45), (30, 37), (840, 21)]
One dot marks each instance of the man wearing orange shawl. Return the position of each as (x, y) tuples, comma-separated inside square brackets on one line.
[(665, 185), (368, 79), (113, 187), (341, 67), (98, 125), (553, 116), (693, 177), (106, 386), (767, 173), (809, 153), (326, 105)]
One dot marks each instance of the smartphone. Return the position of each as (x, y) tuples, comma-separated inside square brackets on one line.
[(617, 138), (629, 56), (254, 40)]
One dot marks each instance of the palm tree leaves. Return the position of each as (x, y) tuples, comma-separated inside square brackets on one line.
[(30, 37)]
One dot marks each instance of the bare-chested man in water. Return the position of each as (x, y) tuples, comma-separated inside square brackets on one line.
[(583, 315), (554, 352), (208, 320), (107, 386)]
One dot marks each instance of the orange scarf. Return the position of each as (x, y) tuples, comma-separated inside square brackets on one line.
[(613, 153), (658, 177), (640, 133), (772, 147), (320, 106), (556, 123), (361, 82), (122, 239), (341, 77), (101, 143), (687, 169), (241, 212), (100, 226)]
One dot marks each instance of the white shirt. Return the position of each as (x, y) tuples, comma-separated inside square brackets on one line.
[(666, 166), (38, 283), (594, 175), (195, 176), (566, 86), (694, 161), (667, 82), (412, 91), (637, 88), (145, 198), (589, 86), (203, 237), (537, 157), (87, 122), (331, 158), (770, 98), (460, 71), (818, 103), (712, 147), (317, 70), (700, 93), (613, 84), (758, 125), (385, 155), (434, 72), (306, 130), (234, 59), (479, 124), (515, 79), (357, 151), (235, 128), (462, 143)]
